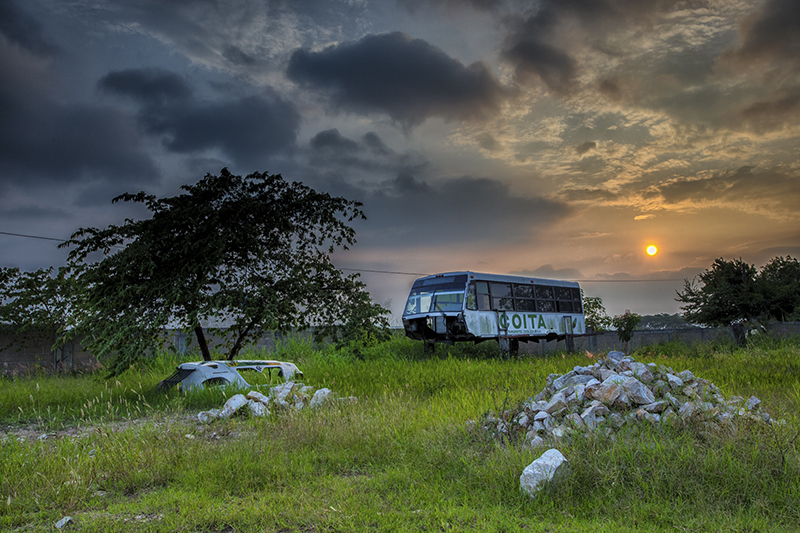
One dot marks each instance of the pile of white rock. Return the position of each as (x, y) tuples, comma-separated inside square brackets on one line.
[(603, 398), (290, 395), (614, 392)]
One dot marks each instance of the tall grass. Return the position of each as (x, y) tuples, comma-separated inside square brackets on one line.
[(403, 457)]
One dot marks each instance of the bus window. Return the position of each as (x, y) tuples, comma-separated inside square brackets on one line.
[(545, 306), (564, 307), (523, 298), (472, 304), (543, 292), (448, 301), (501, 297), (564, 299), (525, 305), (484, 303), (523, 291), (545, 299)]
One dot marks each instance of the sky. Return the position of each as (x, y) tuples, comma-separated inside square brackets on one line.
[(550, 138)]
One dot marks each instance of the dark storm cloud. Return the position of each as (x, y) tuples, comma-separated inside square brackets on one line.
[(20, 28), (774, 111), (408, 79), (410, 211), (772, 34), (538, 44), (376, 144), (333, 154), (585, 147), (554, 67), (45, 140), (480, 5), (332, 140), (150, 86), (247, 129)]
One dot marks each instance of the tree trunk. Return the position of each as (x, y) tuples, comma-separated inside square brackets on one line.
[(201, 341), (240, 341)]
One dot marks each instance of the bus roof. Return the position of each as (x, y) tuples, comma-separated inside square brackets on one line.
[(481, 276)]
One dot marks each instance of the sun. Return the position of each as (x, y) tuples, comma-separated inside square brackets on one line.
[(651, 250)]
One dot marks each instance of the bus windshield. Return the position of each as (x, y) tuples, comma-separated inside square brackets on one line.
[(432, 298)]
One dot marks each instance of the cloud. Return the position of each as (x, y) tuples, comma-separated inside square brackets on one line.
[(771, 191), (333, 141), (410, 211), (585, 147), (408, 79), (251, 38), (547, 43), (22, 29), (247, 129), (771, 35), (548, 271), (46, 140), (149, 86), (367, 159), (553, 66), (774, 111)]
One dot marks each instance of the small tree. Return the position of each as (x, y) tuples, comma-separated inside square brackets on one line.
[(595, 313), (247, 253), (39, 302), (625, 324)]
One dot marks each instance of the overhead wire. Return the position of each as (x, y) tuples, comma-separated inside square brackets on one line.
[(394, 272)]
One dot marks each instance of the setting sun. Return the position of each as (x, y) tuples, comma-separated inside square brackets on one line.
[(651, 250)]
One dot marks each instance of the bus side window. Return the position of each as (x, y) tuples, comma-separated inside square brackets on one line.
[(471, 300), (482, 293)]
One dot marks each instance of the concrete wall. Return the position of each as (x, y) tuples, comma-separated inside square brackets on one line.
[(28, 352), (608, 340), (21, 353)]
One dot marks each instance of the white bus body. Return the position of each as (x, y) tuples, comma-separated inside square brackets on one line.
[(470, 306)]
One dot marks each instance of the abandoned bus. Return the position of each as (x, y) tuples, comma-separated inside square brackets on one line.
[(469, 306)]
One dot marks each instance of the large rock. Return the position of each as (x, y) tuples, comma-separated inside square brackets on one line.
[(550, 464), (234, 403)]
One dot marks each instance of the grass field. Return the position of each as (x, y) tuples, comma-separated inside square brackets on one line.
[(119, 456)]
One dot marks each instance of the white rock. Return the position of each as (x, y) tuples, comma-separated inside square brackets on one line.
[(752, 403), (257, 397), (234, 403), (638, 392), (319, 397), (615, 356), (536, 442), (541, 471), (282, 391), (257, 408), (64, 522), (557, 402)]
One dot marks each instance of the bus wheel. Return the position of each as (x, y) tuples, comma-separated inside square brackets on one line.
[(429, 347)]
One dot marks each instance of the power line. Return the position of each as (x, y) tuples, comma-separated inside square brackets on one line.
[(397, 273), (31, 236), (384, 272)]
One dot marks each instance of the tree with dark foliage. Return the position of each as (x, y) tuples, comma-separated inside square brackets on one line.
[(249, 252), (734, 293), (780, 283), (729, 293)]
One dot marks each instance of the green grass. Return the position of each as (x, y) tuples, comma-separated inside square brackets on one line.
[(401, 459)]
